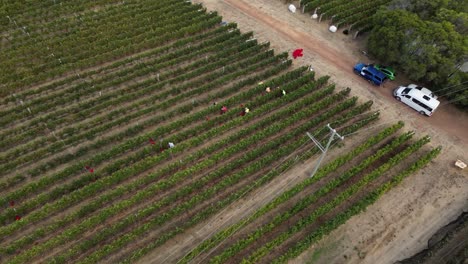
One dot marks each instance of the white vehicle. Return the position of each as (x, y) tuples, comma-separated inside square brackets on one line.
[(423, 89), (417, 99)]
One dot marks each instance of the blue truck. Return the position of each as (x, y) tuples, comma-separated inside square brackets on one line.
[(370, 73)]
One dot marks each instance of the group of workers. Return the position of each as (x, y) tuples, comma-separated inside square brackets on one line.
[(246, 110), (268, 90)]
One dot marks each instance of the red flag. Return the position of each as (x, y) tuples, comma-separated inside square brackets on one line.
[(152, 141), (297, 53), (17, 217)]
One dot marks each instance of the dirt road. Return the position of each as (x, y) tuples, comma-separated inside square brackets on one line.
[(400, 223)]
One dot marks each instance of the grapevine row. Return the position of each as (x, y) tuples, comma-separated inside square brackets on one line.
[(138, 184), (204, 214), (75, 92), (161, 96), (356, 208), (324, 171), (181, 174), (162, 49), (308, 200), (311, 218), (78, 167), (112, 52)]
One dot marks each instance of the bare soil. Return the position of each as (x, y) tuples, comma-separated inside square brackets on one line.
[(400, 223)]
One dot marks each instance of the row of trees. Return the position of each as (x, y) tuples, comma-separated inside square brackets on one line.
[(427, 41)]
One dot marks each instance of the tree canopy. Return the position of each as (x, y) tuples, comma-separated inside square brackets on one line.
[(427, 41)]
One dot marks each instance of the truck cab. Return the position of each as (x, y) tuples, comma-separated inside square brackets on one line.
[(370, 73)]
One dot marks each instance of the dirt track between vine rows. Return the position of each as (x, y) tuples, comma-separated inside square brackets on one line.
[(400, 223)]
